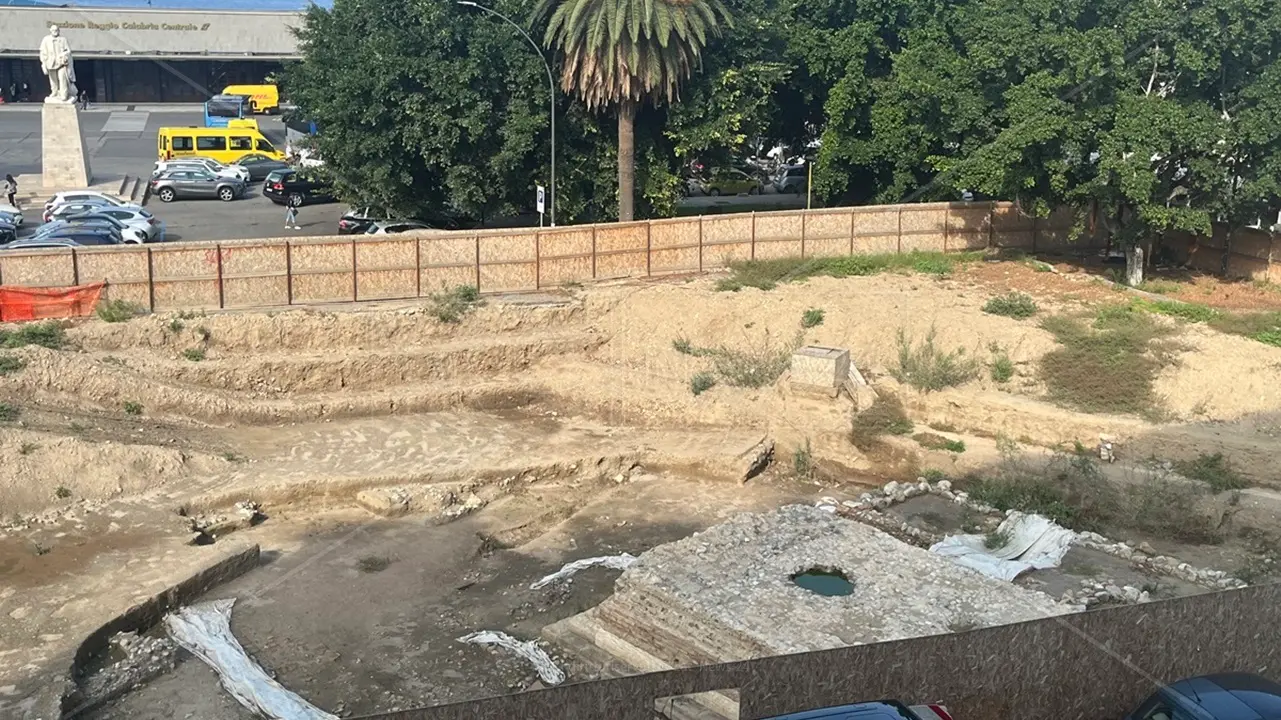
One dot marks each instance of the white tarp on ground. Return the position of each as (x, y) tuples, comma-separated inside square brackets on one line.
[(204, 630), (547, 670), (622, 561), (1035, 542)]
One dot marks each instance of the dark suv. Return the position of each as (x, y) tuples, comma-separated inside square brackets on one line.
[(1229, 696), (296, 187), (881, 710)]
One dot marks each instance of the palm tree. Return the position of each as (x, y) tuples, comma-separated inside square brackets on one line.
[(625, 53)]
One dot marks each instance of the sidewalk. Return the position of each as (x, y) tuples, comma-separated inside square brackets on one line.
[(111, 107)]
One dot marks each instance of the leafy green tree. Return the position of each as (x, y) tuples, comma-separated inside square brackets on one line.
[(627, 54)]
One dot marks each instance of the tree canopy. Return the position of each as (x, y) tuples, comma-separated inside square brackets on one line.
[(1145, 114)]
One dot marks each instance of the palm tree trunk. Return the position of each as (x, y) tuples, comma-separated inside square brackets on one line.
[(626, 160)]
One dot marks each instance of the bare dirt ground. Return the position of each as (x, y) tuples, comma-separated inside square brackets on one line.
[(529, 417)]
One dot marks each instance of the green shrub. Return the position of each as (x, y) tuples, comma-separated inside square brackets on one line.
[(812, 318), (1213, 470), (1014, 305), (803, 461), (62, 492), (701, 383), (885, 417), (767, 274), (10, 364), (451, 305), (1002, 369), (45, 334), (114, 311), (194, 354), (927, 368), (1106, 367), (9, 413), (132, 408)]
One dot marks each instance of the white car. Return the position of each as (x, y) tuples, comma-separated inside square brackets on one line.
[(391, 227), (11, 214), (85, 197), (136, 219), (209, 164)]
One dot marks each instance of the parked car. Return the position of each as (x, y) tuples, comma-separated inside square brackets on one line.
[(128, 232), (97, 227), (358, 220), (259, 165), (882, 710), (68, 239), (391, 227), (729, 181), (11, 215), (86, 197), (194, 162), (8, 233), (141, 220), (1227, 696), (792, 179), (196, 184), (296, 187)]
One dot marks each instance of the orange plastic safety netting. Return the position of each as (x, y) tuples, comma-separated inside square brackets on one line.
[(23, 303)]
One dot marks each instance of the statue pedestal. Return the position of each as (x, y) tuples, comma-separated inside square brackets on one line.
[(65, 160)]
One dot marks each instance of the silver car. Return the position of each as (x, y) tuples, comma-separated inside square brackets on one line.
[(196, 184)]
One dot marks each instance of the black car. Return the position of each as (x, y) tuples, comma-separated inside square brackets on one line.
[(8, 233), (66, 239), (260, 166), (359, 220), (1228, 696), (296, 187)]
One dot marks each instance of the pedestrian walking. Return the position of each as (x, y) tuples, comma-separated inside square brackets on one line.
[(10, 187), (26, 92), (84, 99), (291, 218)]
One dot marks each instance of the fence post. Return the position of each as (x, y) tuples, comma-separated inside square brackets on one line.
[(538, 260), (478, 263), (355, 287), (1035, 231), (218, 251), (700, 243), (900, 230), (151, 282), (649, 248), (851, 231), (418, 267), (594, 248), (75, 267), (947, 215), (753, 234), (289, 273), (804, 214), (991, 225)]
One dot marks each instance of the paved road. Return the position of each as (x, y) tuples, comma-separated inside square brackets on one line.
[(122, 141)]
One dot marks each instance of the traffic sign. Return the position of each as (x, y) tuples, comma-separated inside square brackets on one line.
[(542, 200)]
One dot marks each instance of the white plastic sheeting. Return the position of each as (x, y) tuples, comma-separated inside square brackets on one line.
[(621, 561), (547, 670), (1035, 542), (204, 630)]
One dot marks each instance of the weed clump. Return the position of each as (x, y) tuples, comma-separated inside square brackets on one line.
[(47, 334), (132, 408), (1213, 470), (1013, 305), (1107, 366), (885, 417), (1002, 368), (701, 383), (450, 306), (754, 367), (114, 311), (803, 461), (9, 413), (812, 318), (194, 354), (767, 274), (927, 368), (10, 364)]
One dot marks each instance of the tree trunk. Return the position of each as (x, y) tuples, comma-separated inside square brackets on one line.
[(626, 160), (1134, 265)]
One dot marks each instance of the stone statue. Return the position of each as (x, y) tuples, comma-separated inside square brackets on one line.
[(56, 62)]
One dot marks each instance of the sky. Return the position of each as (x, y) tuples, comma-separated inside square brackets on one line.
[(179, 4)]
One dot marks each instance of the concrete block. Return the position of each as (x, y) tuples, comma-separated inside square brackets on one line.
[(820, 368), (64, 157), (387, 502)]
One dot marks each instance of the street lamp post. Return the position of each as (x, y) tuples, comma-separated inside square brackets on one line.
[(551, 88)]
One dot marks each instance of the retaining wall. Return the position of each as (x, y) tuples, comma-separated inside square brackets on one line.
[(1098, 664)]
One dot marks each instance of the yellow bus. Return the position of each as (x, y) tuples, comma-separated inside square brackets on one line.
[(226, 145), (263, 99)]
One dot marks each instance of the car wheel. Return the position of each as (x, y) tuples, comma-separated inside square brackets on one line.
[(226, 194), (714, 192), (754, 190), (166, 195), (295, 199)]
